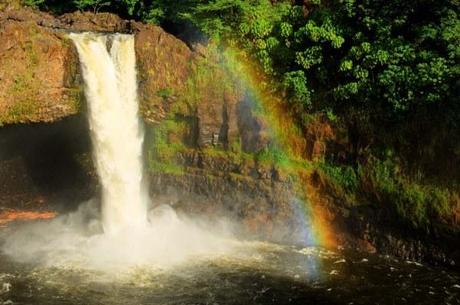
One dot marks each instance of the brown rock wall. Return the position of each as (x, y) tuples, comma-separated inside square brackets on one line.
[(36, 74), (163, 66)]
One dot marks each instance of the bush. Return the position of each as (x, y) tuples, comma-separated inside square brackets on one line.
[(416, 203), (34, 3)]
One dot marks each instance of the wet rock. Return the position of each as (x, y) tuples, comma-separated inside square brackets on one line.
[(37, 74), (39, 70), (253, 129), (86, 21), (163, 63), (263, 207)]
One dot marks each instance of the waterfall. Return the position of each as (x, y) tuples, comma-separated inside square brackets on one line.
[(111, 91)]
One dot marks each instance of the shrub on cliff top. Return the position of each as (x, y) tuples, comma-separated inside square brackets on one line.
[(34, 3)]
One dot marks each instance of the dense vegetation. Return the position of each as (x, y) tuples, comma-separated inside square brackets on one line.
[(384, 72), (391, 55)]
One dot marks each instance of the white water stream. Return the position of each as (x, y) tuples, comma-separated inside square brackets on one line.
[(111, 93)]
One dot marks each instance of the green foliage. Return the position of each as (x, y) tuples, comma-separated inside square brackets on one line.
[(355, 53), (166, 168), (34, 3), (163, 147), (381, 182), (154, 15), (127, 8), (416, 203), (392, 55), (274, 155), (165, 93), (343, 176), (296, 87), (95, 5), (25, 88)]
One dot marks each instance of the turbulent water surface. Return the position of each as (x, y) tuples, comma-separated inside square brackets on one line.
[(260, 273)]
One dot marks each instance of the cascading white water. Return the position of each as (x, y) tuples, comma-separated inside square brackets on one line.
[(135, 233), (111, 93)]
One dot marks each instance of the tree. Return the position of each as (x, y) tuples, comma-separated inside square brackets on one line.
[(96, 5)]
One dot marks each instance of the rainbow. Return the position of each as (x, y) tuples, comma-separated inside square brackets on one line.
[(287, 137)]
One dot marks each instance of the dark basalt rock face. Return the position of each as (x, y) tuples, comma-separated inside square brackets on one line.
[(46, 164)]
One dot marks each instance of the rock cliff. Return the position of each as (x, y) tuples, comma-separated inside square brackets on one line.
[(202, 135), (41, 82), (199, 124)]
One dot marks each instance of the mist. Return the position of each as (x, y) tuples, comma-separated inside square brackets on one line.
[(77, 240)]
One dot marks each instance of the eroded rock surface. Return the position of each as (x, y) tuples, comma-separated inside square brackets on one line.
[(37, 73)]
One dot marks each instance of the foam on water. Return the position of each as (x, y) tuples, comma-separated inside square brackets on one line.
[(77, 240)]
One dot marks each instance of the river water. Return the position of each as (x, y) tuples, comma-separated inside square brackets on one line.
[(260, 273)]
